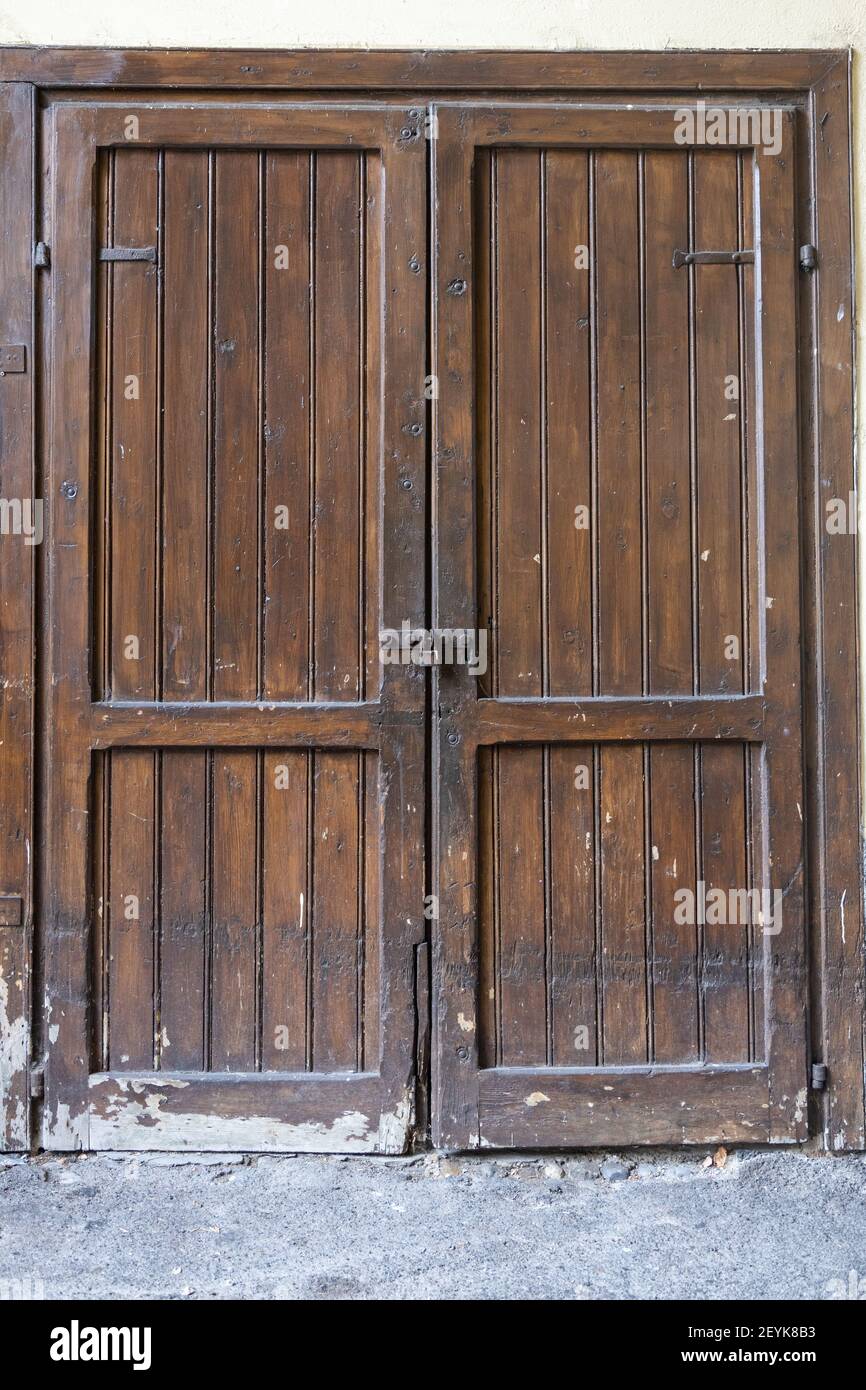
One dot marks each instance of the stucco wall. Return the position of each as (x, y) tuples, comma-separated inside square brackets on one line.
[(575, 24)]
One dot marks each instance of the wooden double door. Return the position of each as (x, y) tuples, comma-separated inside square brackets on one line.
[(322, 370)]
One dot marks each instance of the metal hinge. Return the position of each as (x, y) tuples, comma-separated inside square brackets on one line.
[(819, 1076), (37, 1082), (127, 253), (681, 258), (41, 256), (808, 257)]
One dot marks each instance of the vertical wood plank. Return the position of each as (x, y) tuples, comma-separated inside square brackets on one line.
[(621, 633), (134, 391), (670, 602), (186, 330), (287, 385), (337, 409), (235, 618), (724, 959), (455, 942), (568, 498), (372, 978), (285, 911), (489, 997), (618, 423), (622, 896), (66, 865), (406, 590), (16, 610), (234, 912), (719, 494), (182, 911), (572, 959), (336, 913), (520, 569), (517, 384), (573, 979), (131, 924), (669, 503), (521, 975), (133, 629), (836, 892), (718, 467), (236, 425), (185, 359), (676, 1022)]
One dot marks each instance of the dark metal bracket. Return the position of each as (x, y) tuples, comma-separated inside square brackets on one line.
[(681, 258), (128, 253)]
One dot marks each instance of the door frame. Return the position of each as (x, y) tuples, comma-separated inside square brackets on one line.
[(817, 84)]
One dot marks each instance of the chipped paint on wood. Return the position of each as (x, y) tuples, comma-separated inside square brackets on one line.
[(65, 1128), (14, 1050), (395, 1126), (140, 1112)]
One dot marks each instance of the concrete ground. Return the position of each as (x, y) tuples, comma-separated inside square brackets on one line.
[(764, 1225)]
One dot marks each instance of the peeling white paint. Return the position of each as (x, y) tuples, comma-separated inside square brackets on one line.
[(466, 1025), (140, 1125), (135, 1117), (13, 1060), (394, 1127), (63, 1130), (536, 1098)]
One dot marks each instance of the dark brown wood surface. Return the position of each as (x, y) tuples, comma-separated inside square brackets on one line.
[(562, 847), (256, 875), (259, 646), (17, 568), (312, 70)]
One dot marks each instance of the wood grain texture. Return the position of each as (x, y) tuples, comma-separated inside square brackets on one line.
[(675, 716), (17, 613), (834, 835), (257, 823), (615, 771), (305, 69)]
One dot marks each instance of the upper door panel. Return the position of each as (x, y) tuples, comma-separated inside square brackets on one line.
[(267, 439)]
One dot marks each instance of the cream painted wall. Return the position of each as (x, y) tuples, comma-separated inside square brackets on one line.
[(653, 24)]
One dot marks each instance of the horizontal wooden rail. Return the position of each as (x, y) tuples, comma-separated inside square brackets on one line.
[(739, 718), (601, 1106), (330, 1112), (347, 69), (242, 724)]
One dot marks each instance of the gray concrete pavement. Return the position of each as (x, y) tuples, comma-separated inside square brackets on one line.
[(766, 1225)]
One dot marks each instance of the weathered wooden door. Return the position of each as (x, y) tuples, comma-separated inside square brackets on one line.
[(233, 880), (233, 877), (619, 819)]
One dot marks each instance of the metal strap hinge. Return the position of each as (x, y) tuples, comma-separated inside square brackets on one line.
[(681, 258), (819, 1076), (127, 253), (41, 255), (808, 257)]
